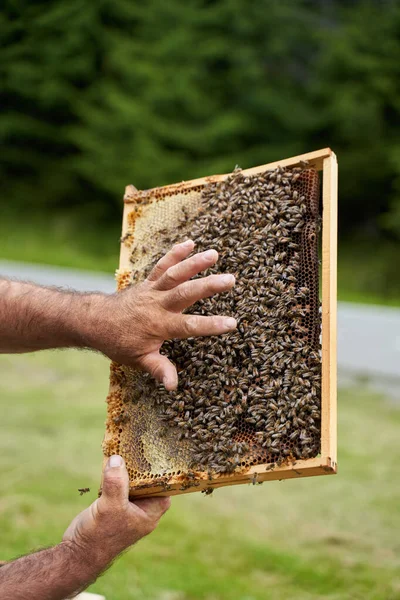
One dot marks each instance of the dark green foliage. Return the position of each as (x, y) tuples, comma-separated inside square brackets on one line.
[(98, 94)]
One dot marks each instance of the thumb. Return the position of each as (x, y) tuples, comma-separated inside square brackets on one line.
[(161, 368), (115, 488)]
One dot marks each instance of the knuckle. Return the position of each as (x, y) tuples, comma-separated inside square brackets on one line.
[(197, 262), (214, 283), (113, 483), (183, 292), (192, 324), (105, 508), (160, 264), (157, 269), (172, 274), (213, 324)]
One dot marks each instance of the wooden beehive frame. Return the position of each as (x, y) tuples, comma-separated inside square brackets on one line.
[(326, 463)]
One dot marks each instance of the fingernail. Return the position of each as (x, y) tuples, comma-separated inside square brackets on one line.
[(115, 461), (227, 279), (210, 254), (188, 243), (230, 323)]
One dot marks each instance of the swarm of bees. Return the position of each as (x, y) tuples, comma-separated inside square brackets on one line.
[(254, 395)]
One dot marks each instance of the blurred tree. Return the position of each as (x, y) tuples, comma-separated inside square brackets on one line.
[(50, 58), (190, 88), (358, 90), (99, 94)]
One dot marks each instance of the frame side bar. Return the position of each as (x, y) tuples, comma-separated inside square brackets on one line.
[(329, 309), (124, 263), (125, 251)]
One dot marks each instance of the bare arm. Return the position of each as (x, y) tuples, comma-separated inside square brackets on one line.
[(92, 541), (51, 574), (37, 318), (130, 326)]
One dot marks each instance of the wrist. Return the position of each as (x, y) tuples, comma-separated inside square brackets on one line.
[(91, 320), (87, 563)]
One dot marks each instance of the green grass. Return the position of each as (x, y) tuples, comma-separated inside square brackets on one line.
[(60, 240), (333, 537)]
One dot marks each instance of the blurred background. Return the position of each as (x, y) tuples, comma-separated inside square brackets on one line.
[(99, 94), (96, 95)]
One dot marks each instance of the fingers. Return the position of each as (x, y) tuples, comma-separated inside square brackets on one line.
[(190, 292), (174, 256), (154, 507), (161, 369), (186, 269), (115, 488), (185, 326)]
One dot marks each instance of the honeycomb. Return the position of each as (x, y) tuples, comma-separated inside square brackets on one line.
[(249, 397)]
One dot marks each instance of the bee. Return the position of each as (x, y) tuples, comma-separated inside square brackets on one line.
[(254, 478), (122, 418), (83, 491)]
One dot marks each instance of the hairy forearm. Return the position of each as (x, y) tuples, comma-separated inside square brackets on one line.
[(53, 574), (37, 318)]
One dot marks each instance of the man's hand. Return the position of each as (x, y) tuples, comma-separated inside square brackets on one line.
[(113, 523), (90, 544), (138, 320), (129, 326)]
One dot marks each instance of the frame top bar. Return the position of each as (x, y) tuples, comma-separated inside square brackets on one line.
[(315, 159)]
